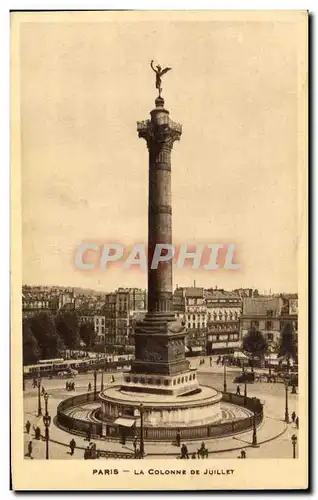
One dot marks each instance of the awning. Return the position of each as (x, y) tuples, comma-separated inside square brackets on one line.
[(240, 355), (125, 422)]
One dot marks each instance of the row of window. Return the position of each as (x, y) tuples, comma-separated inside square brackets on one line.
[(35, 305), (100, 321), (269, 325), (223, 316), (214, 301), (223, 338), (196, 325), (224, 326)]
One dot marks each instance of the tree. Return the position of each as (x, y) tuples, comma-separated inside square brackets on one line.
[(49, 343), (254, 345), (67, 327), (87, 334), (30, 346), (288, 344)]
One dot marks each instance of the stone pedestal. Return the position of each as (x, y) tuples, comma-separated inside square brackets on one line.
[(161, 410)]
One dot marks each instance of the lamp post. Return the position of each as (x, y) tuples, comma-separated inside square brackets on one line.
[(47, 423), (294, 442), (245, 394), (102, 382), (286, 403), (142, 445), (254, 440), (224, 377), (38, 383), (95, 388)]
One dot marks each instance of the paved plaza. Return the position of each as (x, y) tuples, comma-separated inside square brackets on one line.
[(274, 435)]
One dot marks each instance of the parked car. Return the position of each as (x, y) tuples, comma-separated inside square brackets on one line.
[(244, 377)]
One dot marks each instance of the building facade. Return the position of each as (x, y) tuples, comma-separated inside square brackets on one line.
[(120, 308), (189, 306), (100, 326), (269, 315), (223, 321)]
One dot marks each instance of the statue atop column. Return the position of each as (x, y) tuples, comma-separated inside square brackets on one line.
[(159, 73)]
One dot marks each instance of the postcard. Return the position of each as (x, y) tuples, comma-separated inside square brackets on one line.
[(159, 215)]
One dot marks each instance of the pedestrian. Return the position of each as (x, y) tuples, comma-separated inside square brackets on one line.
[(37, 433), (243, 454), (238, 390), (30, 450), (27, 427), (184, 451), (293, 416), (297, 422), (87, 453), (34, 383), (72, 446), (233, 426), (89, 387), (73, 385), (66, 385), (135, 442), (210, 361), (178, 439), (93, 450), (202, 451)]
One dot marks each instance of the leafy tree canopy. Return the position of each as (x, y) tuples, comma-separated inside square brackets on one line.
[(87, 334), (288, 343), (67, 327), (254, 344), (31, 351)]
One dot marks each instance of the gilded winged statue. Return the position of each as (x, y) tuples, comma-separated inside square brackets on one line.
[(159, 73)]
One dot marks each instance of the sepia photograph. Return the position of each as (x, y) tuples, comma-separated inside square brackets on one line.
[(159, 250)]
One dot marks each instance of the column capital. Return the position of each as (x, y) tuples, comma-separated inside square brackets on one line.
[(160, 131)]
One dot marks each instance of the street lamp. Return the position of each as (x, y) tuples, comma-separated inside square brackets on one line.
[(102, 382), (224, 378), (47, 423), (95, 388), (286, 403), (142, 445), (294, 441), (254, 440), (38, 383)]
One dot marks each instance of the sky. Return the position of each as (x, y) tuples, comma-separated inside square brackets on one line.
[(234, 87)]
